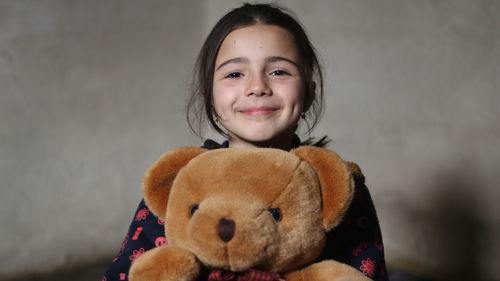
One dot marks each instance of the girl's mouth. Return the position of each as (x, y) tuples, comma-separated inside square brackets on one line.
[(259, 111)]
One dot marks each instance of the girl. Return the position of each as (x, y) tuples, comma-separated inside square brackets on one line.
[(257, 75)]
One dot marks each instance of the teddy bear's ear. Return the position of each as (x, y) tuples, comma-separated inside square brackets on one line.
[(337, 186), (159, 178)]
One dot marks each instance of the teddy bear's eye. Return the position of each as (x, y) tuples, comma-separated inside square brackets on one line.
[(194, 208), (276, 213)]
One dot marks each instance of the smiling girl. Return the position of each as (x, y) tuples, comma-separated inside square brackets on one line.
[(258, 91), (257, 76)]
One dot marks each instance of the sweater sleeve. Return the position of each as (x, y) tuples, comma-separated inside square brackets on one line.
[(146, 232), (357, 240)]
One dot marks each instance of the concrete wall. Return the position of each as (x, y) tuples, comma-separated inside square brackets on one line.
[(93, 91)]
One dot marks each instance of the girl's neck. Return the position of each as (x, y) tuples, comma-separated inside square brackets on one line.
[(284, 143)]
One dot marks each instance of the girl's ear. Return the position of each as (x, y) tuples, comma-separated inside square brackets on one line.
[(337, 185), (160, 177), (310, 95)]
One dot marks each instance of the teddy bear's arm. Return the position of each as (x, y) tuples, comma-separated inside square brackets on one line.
[(328, 270), (166, 263)]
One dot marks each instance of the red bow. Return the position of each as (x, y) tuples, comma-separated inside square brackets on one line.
[(249, 275)]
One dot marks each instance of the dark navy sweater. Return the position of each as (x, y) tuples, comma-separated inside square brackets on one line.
[(356, 241)]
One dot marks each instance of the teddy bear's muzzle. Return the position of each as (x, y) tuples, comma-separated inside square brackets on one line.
[(226, 229), (230, 233)]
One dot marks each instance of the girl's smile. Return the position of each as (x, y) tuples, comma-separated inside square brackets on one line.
[(259, 111), (258, 92)]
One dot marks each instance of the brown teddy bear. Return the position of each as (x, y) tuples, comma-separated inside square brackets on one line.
[(246, 213)]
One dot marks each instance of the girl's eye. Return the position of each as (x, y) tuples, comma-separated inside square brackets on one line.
[(279, 72), (276, 213), (234, 75), (194, 208)]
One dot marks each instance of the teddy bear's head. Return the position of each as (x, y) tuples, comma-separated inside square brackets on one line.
[(240, 209)]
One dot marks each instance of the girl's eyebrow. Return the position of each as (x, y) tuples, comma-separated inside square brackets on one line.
[(233, 60), (245, 60), (277, 58)]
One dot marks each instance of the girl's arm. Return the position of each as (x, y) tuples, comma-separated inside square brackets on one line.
[(357, 240), (146, 232)]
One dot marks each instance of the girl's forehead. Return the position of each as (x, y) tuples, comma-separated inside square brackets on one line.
[(258, 40)]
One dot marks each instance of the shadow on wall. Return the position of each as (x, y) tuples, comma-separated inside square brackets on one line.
[(450, 237)]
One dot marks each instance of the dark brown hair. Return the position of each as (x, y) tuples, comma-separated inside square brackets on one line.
[(200, 103)]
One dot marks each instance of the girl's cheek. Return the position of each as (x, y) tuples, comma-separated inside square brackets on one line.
[(230, 83), (218, 105)]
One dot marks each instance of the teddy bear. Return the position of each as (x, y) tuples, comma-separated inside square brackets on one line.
[(243, 213)]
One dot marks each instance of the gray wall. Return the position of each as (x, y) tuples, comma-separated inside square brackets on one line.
[(93, 91)]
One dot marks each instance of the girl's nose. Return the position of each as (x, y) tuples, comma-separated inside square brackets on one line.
[(258, 86)]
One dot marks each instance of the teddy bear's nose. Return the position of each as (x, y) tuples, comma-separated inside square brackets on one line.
[(225, 229)]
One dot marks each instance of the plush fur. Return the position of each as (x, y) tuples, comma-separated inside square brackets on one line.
[(218, 205)]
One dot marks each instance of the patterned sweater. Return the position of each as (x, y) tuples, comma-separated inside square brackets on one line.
[(356, 241)]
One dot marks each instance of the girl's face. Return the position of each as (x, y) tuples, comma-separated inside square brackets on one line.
[(258, 91)]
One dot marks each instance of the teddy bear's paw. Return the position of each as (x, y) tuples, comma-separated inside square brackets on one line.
[(328, 270), (167, 263)]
